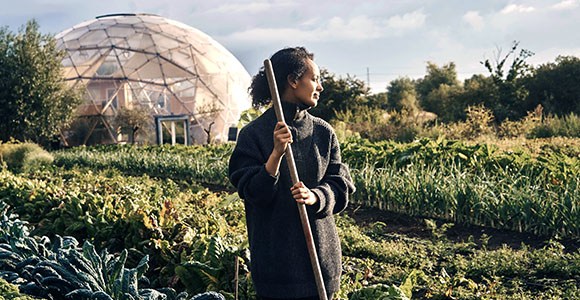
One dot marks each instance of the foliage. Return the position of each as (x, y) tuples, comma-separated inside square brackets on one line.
[(133, 120), (339, 95), (248, 116), (190, 163), (437, 90), (376, 260), (201, 233), (509, 101), (555, 86), (24, 157), (402, 95), (479, 123), (60, 269), (523, 127), (34, 99), (10, 292), (475, 184), (429, 169), (142, 215), (568, 126)]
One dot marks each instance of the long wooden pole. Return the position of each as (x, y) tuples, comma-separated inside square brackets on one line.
[(294, 174)]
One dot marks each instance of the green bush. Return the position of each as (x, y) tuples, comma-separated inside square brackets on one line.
[(551, 126), (24, 157)]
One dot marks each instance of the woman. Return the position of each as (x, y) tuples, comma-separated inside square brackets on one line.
[(280, 263)]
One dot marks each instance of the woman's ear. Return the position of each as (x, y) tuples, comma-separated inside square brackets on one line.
[(292, 82)]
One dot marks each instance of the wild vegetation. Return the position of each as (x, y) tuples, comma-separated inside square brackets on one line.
[(194, 238)]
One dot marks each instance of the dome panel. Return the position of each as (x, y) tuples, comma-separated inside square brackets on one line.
[(76, 33)]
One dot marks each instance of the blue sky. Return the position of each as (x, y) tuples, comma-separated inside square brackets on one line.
[(391, 38)]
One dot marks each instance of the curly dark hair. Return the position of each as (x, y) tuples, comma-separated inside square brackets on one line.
[(286, 62)]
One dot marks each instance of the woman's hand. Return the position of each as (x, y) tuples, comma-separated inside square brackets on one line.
[(302, 194), (282, 137)]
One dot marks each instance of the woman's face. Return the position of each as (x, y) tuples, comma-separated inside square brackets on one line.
[(306, 89)]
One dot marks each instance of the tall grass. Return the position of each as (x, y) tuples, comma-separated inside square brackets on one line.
[(504, 200)]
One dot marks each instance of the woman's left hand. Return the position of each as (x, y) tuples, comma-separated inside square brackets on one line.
[(302, 194)]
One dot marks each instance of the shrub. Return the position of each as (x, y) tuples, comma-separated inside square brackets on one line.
[(24, 157), (523, 127), (551, 126)]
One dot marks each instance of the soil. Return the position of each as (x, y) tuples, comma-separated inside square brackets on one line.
[(414, 227)]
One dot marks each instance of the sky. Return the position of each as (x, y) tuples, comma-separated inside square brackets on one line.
[(374, 41)]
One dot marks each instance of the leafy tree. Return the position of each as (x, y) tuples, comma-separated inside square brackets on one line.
[(556, 86), (378, 100), (508, 102), (133, 120), (435, 78), (34, 100), (339, 94), (402, 95), (446, 102)]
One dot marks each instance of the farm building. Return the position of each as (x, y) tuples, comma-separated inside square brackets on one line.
[(149, 79)]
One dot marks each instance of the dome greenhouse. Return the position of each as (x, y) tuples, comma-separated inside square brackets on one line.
[(189, 87)]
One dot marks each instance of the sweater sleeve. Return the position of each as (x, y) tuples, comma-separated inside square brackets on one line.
[(335, 186), (247, 172)]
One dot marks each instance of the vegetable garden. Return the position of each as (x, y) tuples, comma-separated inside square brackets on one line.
[(156, 222)]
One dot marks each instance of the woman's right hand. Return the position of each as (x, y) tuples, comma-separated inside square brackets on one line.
[(282, 137)]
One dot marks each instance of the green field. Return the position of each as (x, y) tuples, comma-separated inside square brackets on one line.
[(431, 219)]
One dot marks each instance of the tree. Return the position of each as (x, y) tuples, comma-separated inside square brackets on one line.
[(435, 78), (378, 100), (339, 95), (556, 86), (133, 121), (402, 95), (35, 102), (437, 92), (479, 89), (508, 103)]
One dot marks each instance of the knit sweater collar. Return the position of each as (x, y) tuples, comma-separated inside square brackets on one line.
[(293, 111)]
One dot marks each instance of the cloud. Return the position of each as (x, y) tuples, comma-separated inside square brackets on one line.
[(358, 28), (474, 19), (252, 7), (566, 4), (514, 8), (412, 20), (334, 29)]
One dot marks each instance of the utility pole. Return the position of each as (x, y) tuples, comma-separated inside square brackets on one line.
[(368, 78)]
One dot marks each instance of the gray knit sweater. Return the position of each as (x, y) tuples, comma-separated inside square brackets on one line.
[(280, 263)]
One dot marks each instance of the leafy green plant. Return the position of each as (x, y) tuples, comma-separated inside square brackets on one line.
[(60, 269), (384, 292)]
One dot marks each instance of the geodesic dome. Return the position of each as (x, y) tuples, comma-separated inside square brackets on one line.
[(130, 61)]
